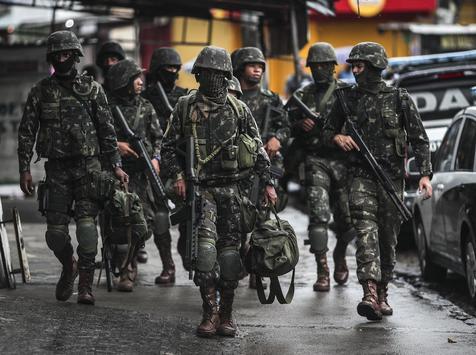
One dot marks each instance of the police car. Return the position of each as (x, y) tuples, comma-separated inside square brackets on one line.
[(440, 85)]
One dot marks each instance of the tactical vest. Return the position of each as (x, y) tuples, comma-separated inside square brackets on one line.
[(382, 125), (67, 119), (257, 105), (215, 137)]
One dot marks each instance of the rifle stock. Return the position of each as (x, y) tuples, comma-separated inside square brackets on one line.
[(304, 108), (138, 146), (379, 173)]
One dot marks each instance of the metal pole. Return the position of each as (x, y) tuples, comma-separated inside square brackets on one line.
[(294, 42), (53, 18)]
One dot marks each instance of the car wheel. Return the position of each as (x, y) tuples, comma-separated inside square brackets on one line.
[(470, 268), (429, 270)]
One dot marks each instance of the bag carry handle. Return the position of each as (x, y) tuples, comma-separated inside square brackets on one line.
[(271, 208), (275, 291)]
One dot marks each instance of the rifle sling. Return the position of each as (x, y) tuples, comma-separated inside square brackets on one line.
[(327, 96)]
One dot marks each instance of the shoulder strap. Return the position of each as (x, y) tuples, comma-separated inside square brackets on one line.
[(239, 111), (275, 291), (327, 96), (135, 122)]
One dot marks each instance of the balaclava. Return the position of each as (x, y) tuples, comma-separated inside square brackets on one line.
[(213, 84), (324, 75)]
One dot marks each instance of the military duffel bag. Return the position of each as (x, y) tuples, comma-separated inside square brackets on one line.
[(273, 252)]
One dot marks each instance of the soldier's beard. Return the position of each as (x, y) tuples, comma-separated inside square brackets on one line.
[(213, 85), (167, 78)]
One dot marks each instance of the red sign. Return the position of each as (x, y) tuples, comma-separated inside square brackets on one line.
[(342, 7)]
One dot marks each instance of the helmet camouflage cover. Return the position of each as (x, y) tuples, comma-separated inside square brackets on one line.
[(321, 52), (247, 55), (63, 41), (371, 52), (164, 56), (121, 74), (216, 58), (234, 85)]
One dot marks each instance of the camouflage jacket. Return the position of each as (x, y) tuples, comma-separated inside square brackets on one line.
[(142, 120), (278, 125), (71, 121), (387, 121), (151, 94), (312, 141), (217, 129)]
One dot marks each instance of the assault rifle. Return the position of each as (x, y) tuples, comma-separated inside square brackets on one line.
[(166, 106), (192, 209), (138, 146), (270, 112), (304, 108), (377, 170)]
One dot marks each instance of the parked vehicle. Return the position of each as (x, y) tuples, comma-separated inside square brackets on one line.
[(440, 85), (445, 225)]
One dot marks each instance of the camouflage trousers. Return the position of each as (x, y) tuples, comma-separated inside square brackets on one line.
[(219, 233), (67, 183), (326, 180), (139, 184), (377, 223)]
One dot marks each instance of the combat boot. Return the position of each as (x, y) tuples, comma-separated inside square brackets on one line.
[(323, 282), (142, 255), (211, 318), (85, 293), (341, 271), (127, 278), (227, 326), (369, 306), (167, 275), (382, 293), (64, 287)]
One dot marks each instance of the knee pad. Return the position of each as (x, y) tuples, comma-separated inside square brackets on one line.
[(207, 254), (230, 264), (87, 235), (206, 279), (318, 238), (57, 237), (161, 222)]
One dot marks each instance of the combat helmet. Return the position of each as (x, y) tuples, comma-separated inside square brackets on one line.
[(212, 57), (63, 41), (234, 85), (108, 49), (164, 56), (321, 52), (371, 52), (121, 74), (247, 55)]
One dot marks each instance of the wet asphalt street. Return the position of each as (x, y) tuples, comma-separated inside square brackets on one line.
[(161, 320)]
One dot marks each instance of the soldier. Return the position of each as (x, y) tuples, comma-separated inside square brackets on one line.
[(216, 120), (234, 87), (109, 54), (325, 168), (74, 126), (249, 66), (164, 67), (386, 117), (125, 85)]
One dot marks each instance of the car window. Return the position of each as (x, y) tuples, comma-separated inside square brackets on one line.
[(446, 151), (467, 146)]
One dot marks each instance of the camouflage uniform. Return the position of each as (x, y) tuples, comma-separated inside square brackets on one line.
[(259, 101), (74, 126), (215, 119), (161, 58), (386, 117), (325, 167), (142, 119)]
